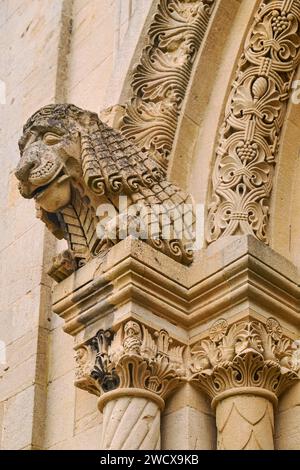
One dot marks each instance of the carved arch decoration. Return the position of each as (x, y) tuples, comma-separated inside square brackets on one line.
[(161, 77), (243, 171)]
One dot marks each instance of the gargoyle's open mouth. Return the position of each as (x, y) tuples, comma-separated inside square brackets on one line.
[(41, 189), (38, 191)]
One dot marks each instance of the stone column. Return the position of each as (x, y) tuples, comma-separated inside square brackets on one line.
[(244, 368), (132, 371), (245, 422), (131, 419)]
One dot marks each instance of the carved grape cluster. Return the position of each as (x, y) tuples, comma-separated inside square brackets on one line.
[(280, 22), (247, 151)]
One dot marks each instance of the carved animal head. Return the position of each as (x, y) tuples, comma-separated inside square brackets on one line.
[(64, 146), (71, 162), (51, 154)]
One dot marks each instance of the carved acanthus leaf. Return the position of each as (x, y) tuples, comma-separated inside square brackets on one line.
[(161, 78), (247, 354), (131, 358)]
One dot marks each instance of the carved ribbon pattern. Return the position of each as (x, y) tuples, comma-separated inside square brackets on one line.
[(162, 76), (246, 155)]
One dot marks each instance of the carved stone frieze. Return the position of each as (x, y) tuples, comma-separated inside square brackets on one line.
[(131, 358), (161, 77), (243, 171), (246, 355)]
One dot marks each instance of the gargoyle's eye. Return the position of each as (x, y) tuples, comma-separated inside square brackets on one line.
[(51, 139)]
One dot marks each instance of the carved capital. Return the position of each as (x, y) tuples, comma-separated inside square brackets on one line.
[(93, 365), (247, 356), (131, 358)]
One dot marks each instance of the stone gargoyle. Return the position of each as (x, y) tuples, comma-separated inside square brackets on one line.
[(72, 163)]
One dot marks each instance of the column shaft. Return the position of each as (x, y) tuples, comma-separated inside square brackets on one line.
[(131, 423), (245, 422)]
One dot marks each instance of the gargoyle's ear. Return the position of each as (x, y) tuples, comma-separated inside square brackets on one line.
[(87, 119)]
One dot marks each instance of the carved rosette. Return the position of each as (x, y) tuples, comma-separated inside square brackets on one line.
[(132, 371), (246, 359), (243, 172), (162, 75)]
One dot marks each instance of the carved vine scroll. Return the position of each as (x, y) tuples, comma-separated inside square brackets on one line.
[(243, 172), (161, 78)]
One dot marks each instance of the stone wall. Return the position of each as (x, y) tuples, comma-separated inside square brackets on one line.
[(51, 51), (30, 34)]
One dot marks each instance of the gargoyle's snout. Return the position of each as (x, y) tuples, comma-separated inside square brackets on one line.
[(29, 160), (23, 170)]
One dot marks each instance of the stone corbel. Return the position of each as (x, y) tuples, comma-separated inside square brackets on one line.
[(132, 371), (244, 368)]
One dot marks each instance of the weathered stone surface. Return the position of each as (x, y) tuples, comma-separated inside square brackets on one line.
[(288, 429), (188, 428), (18, 409), (29, 36), (75, 51), (74, 168)]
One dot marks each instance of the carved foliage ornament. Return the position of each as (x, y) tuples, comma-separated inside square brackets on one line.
[(162, 76), (247, 354), (246, 155), (132, 358)]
